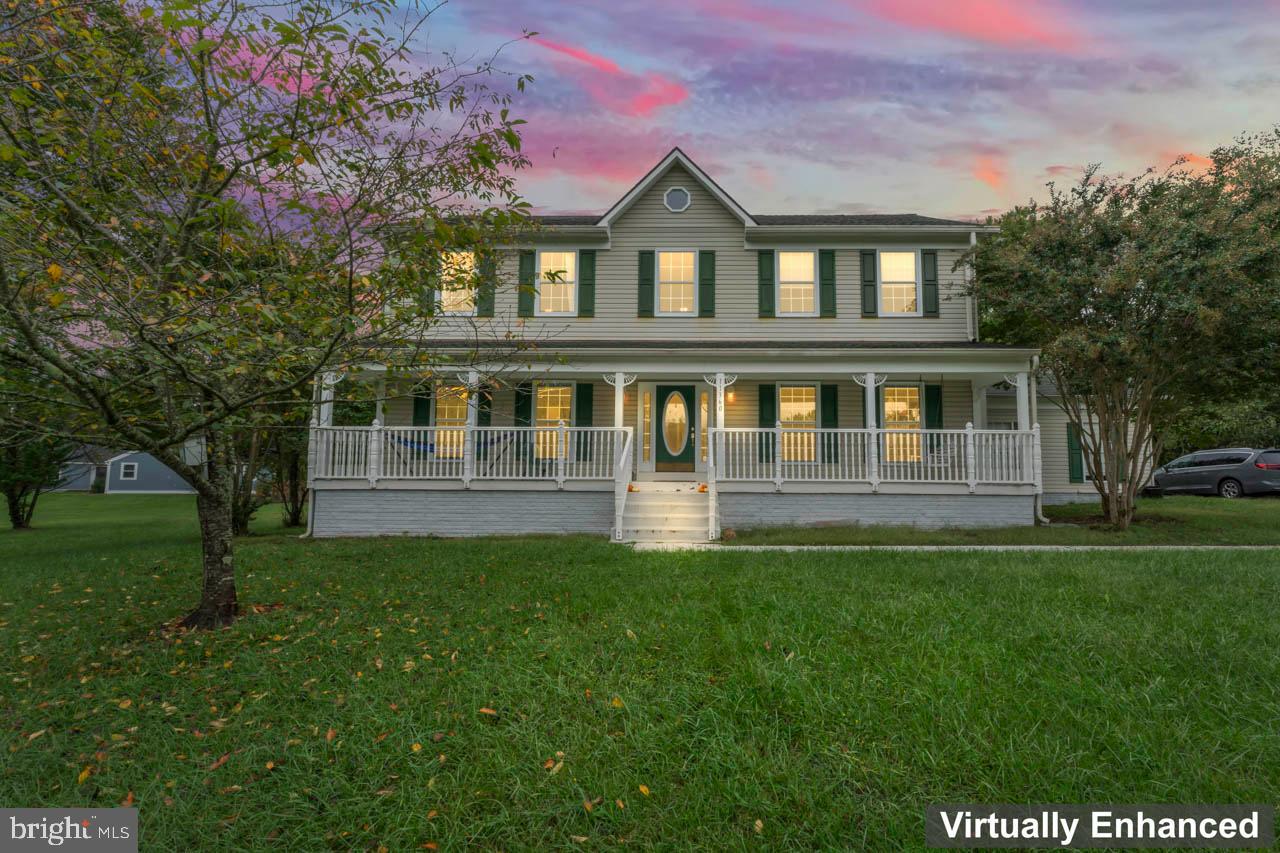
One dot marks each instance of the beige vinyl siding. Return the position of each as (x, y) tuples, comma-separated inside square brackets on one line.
[(744, 411), (1055, 466), (398, 410), (707, 225)]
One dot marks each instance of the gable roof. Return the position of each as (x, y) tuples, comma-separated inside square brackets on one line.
[(675, 156)]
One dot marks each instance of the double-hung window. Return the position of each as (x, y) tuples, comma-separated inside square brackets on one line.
[(128, 470), (677, 293), (902, 411), (899, 284), (458, 283), (798, 410), (451, 421), (797, 284), (557, 282), (552, 405)]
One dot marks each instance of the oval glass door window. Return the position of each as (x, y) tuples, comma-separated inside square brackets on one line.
[(675, 423)]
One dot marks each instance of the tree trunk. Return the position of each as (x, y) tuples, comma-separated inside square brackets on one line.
[(294, 491), (218, 606), (18, 519)]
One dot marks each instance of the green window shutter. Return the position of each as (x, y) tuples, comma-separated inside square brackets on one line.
[(484, 418), (870, 299), (1075, 455), (422, 407), (645, 293), (933, 407), (929, 280), (768, 418), (583, 415), (524, 418), (827, 283), (764, 272), (829, 418), (587, 283), (524, 404), (488, 284), (525, 304), (706, 284)]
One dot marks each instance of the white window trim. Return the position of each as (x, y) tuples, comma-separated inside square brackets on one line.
[(571, 384), (128, 471), (919, 386), (687, 194), (777, 282), (537, 278), (475, 292), (880, 312), (657, 284), (817, 414)]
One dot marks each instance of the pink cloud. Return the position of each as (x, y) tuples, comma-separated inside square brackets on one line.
[(1059, 170), (1008, 23), (992, 170), (618, 90)]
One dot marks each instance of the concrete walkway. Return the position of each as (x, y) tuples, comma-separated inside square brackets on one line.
[(715, 546)]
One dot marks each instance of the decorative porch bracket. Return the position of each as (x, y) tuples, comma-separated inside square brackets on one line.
[(618, 381)]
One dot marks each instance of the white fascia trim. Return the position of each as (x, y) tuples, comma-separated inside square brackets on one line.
[(676, 156)]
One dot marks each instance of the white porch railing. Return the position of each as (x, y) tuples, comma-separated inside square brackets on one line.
[(967, 456), (558, 454)]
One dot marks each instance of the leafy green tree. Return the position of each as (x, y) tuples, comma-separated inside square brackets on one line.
[(1140, 292), (205, 204)]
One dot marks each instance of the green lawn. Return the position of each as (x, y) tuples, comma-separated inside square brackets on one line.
[(828, 696), (1164, 521)]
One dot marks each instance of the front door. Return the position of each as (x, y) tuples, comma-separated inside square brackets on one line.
[(673, 428)]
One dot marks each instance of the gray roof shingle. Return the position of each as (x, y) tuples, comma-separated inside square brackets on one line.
[(890, 219)]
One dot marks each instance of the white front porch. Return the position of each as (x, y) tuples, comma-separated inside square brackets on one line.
[(705, 429)]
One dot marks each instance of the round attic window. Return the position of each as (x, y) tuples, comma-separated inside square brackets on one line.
[(677, 199)]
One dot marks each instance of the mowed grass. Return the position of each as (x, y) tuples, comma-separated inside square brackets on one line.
[(829, 697), (1180, 520)]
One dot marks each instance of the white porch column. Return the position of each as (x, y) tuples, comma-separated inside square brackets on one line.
[(869, 392), (469, 436), (1024, 401), (720, 401), (377, 406), (619, 395), (979, 406), (324, 411)]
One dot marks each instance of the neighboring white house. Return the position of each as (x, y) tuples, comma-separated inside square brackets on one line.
[(701, 367)]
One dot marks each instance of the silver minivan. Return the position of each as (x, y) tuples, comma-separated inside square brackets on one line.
[(1228, 471)]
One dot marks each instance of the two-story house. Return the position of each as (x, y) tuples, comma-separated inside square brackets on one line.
[(699, 367)]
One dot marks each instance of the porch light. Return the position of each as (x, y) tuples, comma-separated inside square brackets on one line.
[(729, 395)]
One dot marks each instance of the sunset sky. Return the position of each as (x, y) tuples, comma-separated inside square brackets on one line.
[(944, 107)]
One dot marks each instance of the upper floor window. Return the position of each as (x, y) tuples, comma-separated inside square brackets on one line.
[(899, 283), (797, 283), (676, 272), (457, 282), (557, 282)]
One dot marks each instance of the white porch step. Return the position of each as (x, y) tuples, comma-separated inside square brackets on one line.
[(666, 511)]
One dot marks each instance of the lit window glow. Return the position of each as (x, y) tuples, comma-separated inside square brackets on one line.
[(675, 282), (902, 412), (898, 283), (558, 282), (457, 282), (552, 407), (797, 273), (451, 411), (798, 409)]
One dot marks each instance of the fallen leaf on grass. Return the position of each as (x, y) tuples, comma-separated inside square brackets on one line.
[(124, 706), (644, 789), (35, 735), (759, 826), (617, 702), (437, 737), (221, 761), (417, 747), (619, 803), (578, 839), (590, 805), (489, 712), (84, 774), (330, 735), (127, 801)]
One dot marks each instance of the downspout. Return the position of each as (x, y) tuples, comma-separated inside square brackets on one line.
[(1038, 503), (972, 308)]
